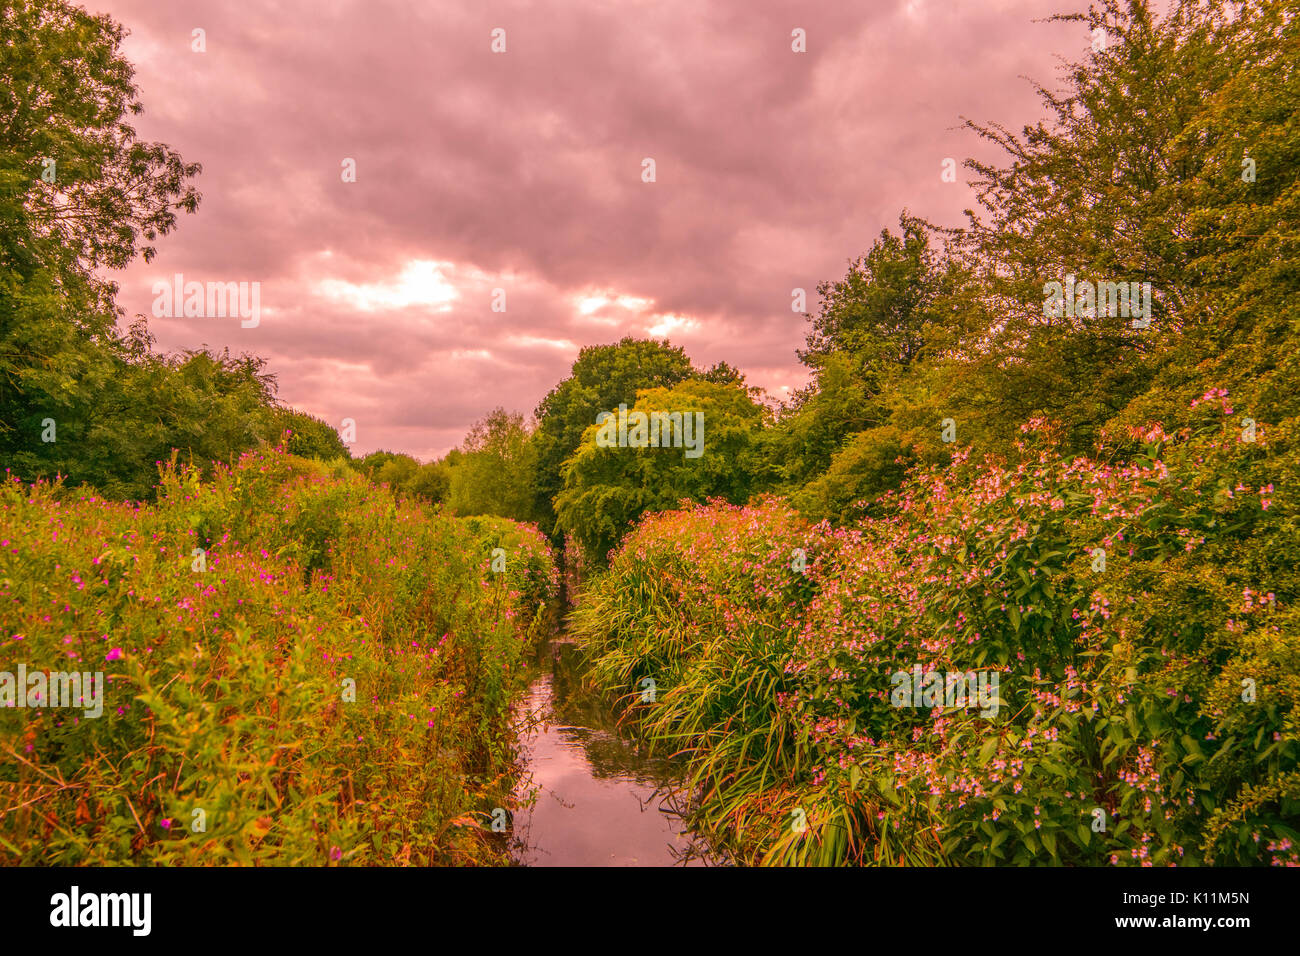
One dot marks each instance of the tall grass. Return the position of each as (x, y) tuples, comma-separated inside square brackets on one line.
[(1125, 687), (332, 689)]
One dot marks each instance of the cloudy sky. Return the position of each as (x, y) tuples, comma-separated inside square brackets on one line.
[(522, 170)]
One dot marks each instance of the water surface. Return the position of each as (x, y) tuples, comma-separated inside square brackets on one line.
[(598, 798)]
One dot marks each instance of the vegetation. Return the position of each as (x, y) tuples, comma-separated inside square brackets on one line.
[(299, 670), (1096, 509), (606, 489), (774, 643)]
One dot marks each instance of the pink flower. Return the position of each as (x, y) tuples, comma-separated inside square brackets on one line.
[(114, 654)]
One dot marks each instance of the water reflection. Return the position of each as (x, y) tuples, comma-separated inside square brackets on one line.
[(592, 797)]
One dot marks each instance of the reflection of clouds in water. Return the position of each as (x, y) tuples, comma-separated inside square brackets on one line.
[(600, 801)]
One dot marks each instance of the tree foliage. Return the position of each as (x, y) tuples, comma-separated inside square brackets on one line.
[(601, 378), (606, 489), (495, 472)]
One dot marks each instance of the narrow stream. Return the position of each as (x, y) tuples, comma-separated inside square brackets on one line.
[(597, 798)]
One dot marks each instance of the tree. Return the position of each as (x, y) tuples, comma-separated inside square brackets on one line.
[(884, 319), (607, 488), (397, 472), (209, 406), (601, 378), (78, 192), (310, 436), (722, 373), (835, 406), (77, 189), (432, 482), (879, 312), (1169, 159), (495, 471), (870, 463)]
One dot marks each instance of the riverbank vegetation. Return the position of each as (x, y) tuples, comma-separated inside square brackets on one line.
[(1137, 616), (1097, 507), (298, 669)]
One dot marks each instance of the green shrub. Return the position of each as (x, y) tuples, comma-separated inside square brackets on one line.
[(1124, 688), (225, 689)]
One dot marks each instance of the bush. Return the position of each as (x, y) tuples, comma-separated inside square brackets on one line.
[(1125, 688), (226, 689)]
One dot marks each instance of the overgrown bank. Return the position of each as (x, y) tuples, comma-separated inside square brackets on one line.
[(1140, 618), (298, 669)]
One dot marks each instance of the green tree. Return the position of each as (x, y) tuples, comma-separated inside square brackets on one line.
[(370, 464), (309, 436), (1144, 174), (209, 406), (495, 472), (432, 482), (78, 191), (880, 311), (602, 377), (875, 327), (606, 489)]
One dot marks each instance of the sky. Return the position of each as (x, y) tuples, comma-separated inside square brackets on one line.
[(523, 170)]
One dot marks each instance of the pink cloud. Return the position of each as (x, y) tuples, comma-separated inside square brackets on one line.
[(522, 171)]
